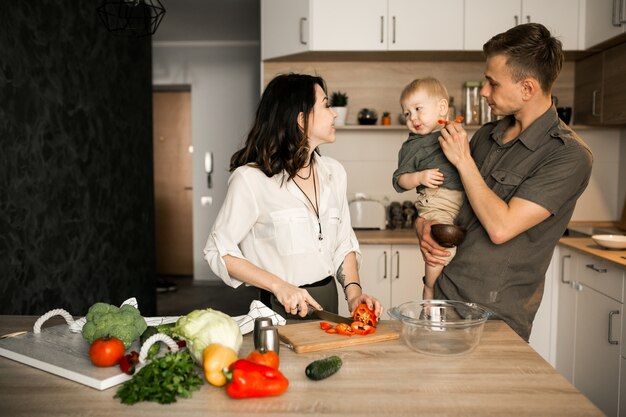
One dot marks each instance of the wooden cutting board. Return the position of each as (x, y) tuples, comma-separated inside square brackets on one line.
[(309, 337)]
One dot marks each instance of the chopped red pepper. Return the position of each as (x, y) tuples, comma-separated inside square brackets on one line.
[(247, 379), (325, 325), (445, 122), (343, 328), (331, 331), (362, 328), (365, 315)]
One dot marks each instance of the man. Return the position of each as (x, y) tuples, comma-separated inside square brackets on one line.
[(522, 176)]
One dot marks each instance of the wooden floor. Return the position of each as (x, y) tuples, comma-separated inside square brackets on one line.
[(189, 296)]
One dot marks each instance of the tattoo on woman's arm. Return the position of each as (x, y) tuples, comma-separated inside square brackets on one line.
[(341, 277)]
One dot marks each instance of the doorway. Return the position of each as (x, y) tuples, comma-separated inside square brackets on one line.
[(172, 150)]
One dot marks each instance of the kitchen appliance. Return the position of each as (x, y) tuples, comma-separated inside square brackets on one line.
[(471, 90), (367, 214), (309, 337), (441, 327)]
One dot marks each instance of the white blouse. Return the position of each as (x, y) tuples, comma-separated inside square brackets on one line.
[(268, 222)]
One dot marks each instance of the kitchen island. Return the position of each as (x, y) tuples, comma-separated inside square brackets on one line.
[(502, 377)]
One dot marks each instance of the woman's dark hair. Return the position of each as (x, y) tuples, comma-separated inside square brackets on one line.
[(276, 142), (531, 51)]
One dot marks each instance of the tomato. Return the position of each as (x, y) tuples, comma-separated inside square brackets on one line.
[(363, 314), (264, 357), (106, 351)]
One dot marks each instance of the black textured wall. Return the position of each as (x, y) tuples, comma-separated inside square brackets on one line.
[(76, 193)]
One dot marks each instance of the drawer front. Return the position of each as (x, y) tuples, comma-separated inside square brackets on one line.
[(604, 277)]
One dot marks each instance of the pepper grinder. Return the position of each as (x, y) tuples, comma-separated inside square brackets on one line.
[(268, 339), (259, 324)]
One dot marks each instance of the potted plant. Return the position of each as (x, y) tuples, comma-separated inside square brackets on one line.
[(339, 103)]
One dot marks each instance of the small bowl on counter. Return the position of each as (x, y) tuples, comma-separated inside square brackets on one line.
[(441, 327), (610, 241)]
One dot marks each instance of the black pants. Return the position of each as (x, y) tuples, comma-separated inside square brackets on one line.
[(324, 292)]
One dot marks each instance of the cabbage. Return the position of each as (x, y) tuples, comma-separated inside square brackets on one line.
[(200, 328)]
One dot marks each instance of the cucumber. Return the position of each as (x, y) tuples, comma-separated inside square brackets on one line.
[(323, 368)]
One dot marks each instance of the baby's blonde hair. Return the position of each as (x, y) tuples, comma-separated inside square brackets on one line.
[(431, 85)]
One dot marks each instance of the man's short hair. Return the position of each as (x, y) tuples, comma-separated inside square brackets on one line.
[(531, 51)]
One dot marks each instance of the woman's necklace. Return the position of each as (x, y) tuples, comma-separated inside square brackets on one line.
[(314, 206), (310, 171)]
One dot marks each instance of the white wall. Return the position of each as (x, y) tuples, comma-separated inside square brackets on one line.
[(224, 79), (370, 158)]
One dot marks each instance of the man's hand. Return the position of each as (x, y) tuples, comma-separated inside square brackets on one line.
[(428, 246)]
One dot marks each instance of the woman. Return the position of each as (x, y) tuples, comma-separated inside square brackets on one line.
[(284, 226)]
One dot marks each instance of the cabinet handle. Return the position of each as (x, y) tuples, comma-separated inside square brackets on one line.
[(527, 18), (385, 273), (593, 103), (382, 29), (610, 338), (302, 20), (394, 30), (600, 270), (516, 17), (622, 17), (397, 265), (616, 14), (563, 268)]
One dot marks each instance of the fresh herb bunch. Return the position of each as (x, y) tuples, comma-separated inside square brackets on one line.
[(162, 380), (338, 99)]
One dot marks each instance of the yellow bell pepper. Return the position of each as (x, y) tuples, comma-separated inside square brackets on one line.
[(215, 358)]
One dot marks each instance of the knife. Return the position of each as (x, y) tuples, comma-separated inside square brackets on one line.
[(332, 317)]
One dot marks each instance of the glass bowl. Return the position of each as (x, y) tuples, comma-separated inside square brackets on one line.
[(441, 327)]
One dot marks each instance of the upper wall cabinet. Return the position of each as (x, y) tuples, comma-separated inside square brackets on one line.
[(294, 26), (486, 18), (602, 20)]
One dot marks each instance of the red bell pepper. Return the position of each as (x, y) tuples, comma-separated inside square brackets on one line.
[(246, 379), (365, 315), (264, 357)]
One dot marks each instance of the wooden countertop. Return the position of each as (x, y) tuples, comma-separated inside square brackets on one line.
[(502, 377), (588, 246), (387, 237)]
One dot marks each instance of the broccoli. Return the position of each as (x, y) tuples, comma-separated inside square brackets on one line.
[(125, 323)]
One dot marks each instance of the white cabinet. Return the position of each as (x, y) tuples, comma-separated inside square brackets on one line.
[(566, 315), (602, 20), (347, 25), (589, 327), (294, 26), (391, 273), (283, 27), (421, 25), (486, 18), (542, 337)]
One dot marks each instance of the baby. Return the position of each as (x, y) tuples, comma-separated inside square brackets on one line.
[(422, 164)]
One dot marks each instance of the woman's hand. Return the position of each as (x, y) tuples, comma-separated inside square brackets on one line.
[(296, 301), (372, 304), (428, 246)]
